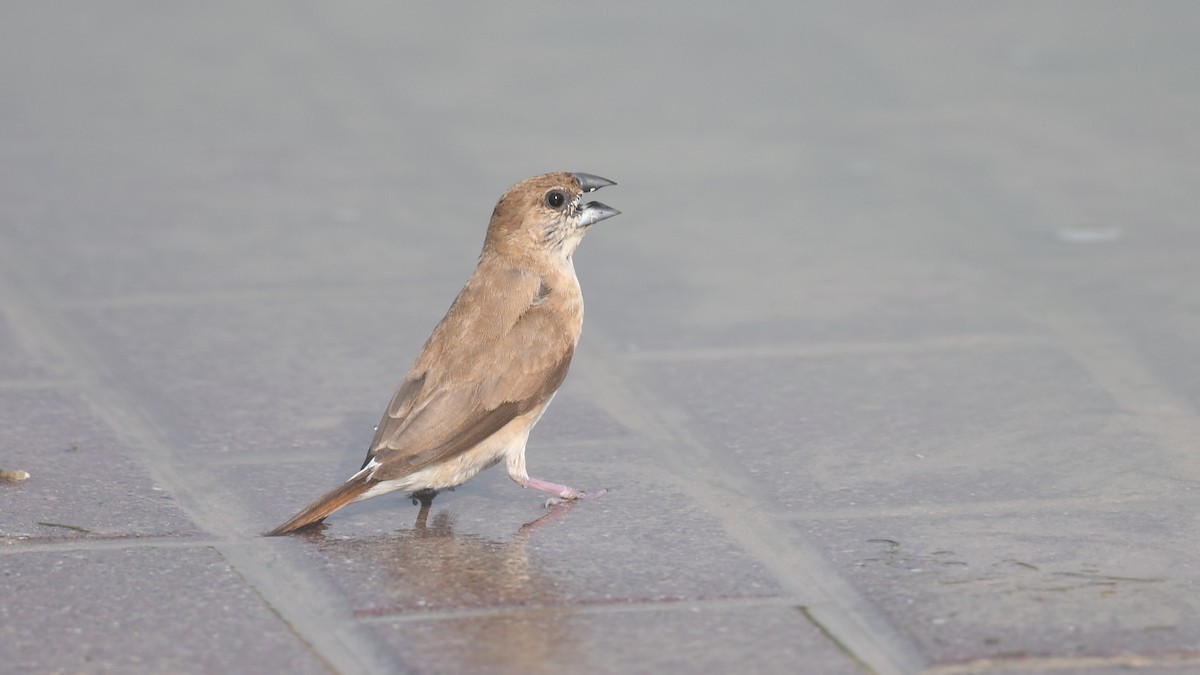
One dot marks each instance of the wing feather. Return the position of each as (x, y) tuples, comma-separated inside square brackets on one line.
[(497, 354)]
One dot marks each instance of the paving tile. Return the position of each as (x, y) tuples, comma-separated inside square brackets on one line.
[(490, 544), (694, 639), (139, 610), (922, 427), (1139, 665), (573, 418), (271, 492), (17, 360), (220, 239), (260, 208), (1140, 297), (233, 380), (230, 380), (82, 477), (1086, 582), (868, 300)]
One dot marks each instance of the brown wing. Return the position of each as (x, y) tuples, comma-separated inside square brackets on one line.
[(399, 409), (496, 355)]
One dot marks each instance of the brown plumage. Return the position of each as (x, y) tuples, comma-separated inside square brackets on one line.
[(493, 363)]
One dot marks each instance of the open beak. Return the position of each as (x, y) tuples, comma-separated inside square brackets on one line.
[(589, 183), (594, 212)]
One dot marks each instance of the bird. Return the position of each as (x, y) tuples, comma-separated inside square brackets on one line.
[(493, 363)]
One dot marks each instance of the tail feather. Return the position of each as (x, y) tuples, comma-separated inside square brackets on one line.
[(326, 504)]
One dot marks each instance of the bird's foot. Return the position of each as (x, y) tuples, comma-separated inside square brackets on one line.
[(562, 493), (574, 495)]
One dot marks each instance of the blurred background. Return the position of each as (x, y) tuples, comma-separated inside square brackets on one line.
[(897, 327)]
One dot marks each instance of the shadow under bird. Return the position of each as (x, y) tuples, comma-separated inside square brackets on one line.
[(493, 363)]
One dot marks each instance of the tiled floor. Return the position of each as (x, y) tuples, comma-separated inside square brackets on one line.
[(890, 363)]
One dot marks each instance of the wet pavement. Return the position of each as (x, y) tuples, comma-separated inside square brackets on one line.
[(890, 363)]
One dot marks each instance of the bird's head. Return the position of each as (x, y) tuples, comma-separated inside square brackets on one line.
[(546, 215)]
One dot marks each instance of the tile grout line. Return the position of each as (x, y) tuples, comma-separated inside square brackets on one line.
[(18, 546), (1041, 665), (830, 601), (28, 385), (306, 606), (831, 348), (216, 296), (404, 616), (987, 508), (808, 616)]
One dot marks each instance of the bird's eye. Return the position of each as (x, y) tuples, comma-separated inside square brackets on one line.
[(556, 199)]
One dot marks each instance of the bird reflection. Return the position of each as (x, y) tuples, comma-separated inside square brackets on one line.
[(430, 567)]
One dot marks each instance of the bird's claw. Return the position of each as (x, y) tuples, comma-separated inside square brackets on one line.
[(574, 495)]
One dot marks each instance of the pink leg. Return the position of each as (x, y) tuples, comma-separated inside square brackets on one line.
[(561, 492), (554, 513)]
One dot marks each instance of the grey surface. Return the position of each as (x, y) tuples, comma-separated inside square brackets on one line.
[(709, 637), (890, 364), (83, 479), (148, 609)]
